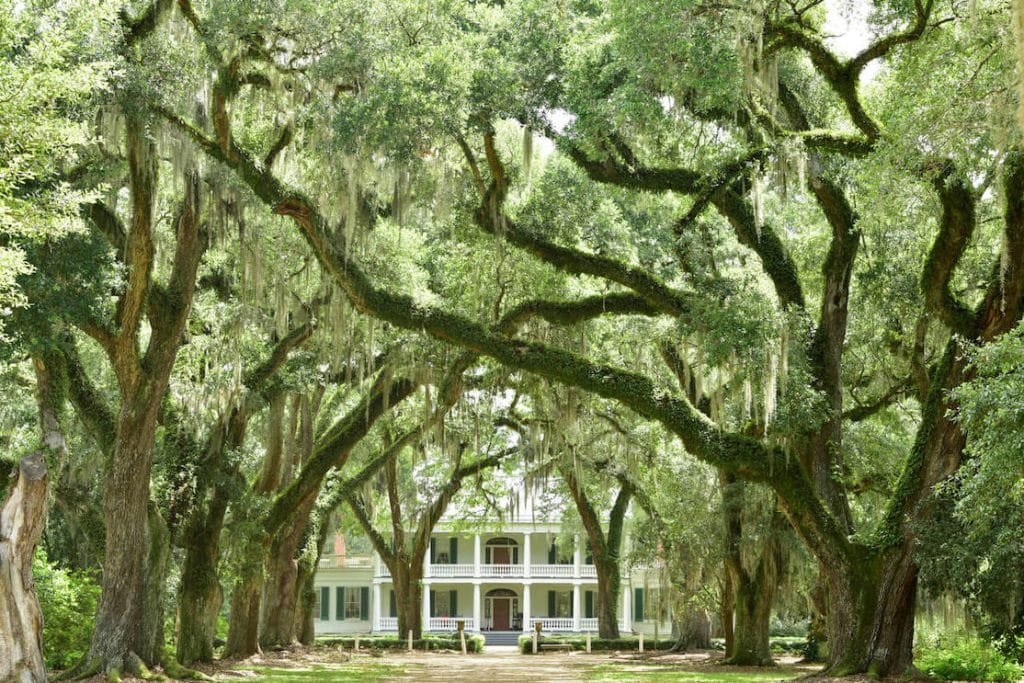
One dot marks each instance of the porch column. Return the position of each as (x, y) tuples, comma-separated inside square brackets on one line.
[(576, 607), (476, 555), (477, 622), (376, 607), (627, 606), (577, 556), (526, 554), (426, 606), (526, 607), (426, 564)]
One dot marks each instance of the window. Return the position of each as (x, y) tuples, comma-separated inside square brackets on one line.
[(560, 604), (323, 607), (352, 605), (352, 602)]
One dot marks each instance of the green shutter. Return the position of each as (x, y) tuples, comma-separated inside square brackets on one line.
[(393, 610), (364, 603), (325, 603), (453, 603), (432, 550), (588, 604), (572, 605), (339, 607), (515, 555), (432, 607), (638, 604), (551, 603), (589, 559), (453, 550), (552, 554)]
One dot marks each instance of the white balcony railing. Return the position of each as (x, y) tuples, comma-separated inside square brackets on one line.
[(552, 623), (383, 570), (501, 571), (551, 570), (387, 624), (588, 624), (451, 570), (449, 623), (588, 571), (346, 561)]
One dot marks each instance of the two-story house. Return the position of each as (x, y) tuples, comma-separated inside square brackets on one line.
[(500, 581)]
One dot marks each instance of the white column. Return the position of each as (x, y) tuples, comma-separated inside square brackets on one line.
[(526, 606), (426, 607), (426, 563), (376, 607), (477, 623), (526, 553), (627, 606), (476, 554), (576, 607), (577, 556)]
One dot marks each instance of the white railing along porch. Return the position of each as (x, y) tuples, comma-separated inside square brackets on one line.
[(588, 624), (552, 623), (449, 623), (551, 570), (501, 571), (387, 624), (588, 571), (451, 570)]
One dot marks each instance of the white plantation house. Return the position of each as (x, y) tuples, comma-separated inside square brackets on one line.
[(502, 581)]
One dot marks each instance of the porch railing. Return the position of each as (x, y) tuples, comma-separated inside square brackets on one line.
[(451, 570), (552, 623), (588, 571), (387, 624), (449, 623), (501, 571), (551, 570)]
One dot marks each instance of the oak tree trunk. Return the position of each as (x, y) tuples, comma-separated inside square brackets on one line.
[(608, 583), (22, 518), (201, 596), (244, 624)]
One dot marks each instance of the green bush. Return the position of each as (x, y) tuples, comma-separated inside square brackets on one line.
[(596, 644), (68, 600), (474, 642), (968, 659)]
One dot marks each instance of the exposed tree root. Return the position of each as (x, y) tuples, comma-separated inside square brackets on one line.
[(175, 670), (85, 668)]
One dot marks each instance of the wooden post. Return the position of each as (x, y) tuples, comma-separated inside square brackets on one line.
[(641, 641), (588, 642), (410, 640), (461, 625), (536, 635), (356, 648)]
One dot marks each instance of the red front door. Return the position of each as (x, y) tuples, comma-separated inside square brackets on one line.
[(500, 608), (501, 556)]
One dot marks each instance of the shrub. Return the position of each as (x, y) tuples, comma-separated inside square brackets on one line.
[(68, 600), (968, 659), (596, 644), (474, 642)]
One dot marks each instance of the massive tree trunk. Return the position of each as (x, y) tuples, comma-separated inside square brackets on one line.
[(408, 599), (201, 595), (22, 518), (608, 586), (693, 629), (305, 617), (244, 624)]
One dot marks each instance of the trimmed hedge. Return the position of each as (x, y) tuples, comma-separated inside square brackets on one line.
[(596, 644), (474, 642), (790, 645)]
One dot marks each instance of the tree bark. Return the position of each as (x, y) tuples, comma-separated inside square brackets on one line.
[(22, 518), (244, 626), (201, 595), (694, 629), (408, 600)]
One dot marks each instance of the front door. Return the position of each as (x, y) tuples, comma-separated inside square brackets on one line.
[(501, 608), (501, 556)]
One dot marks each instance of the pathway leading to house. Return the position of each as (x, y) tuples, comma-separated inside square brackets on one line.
[(508, 666)]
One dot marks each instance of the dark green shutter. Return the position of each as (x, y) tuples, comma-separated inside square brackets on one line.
[(551, 603), (339, 608), (552, 554), (432, 606), (589, 559), (515, 555), (393, 610), (588, 602), (453, 550), (572, 605), (364, 603), (638, 604), (453, 603), (325, 603), (432, 553)]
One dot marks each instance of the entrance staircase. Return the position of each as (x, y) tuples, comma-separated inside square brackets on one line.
[(501, 637)]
